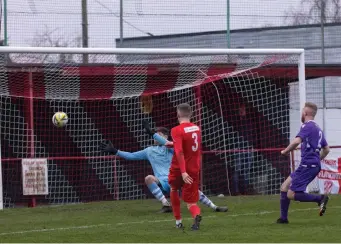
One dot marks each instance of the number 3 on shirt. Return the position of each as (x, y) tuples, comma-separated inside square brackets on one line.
[(196, 144)]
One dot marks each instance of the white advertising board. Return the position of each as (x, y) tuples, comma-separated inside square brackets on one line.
[(35, 176)]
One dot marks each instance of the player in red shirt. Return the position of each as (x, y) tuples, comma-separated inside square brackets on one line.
[(185, 166)]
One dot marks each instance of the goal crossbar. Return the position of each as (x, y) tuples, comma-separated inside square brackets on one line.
[(149, 51)]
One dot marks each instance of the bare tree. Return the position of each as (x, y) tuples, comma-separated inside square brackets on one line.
[(50, 38), (53, 38), (267, 24), (314, 12)]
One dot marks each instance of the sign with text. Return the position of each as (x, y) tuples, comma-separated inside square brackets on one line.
[(329, 178), (35, 176)]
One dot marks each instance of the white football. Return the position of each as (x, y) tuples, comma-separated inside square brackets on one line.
[(60, 119)]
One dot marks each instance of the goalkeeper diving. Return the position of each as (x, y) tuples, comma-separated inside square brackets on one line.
[(160, 157)]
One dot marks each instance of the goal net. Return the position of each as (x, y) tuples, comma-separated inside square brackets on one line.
[(241, 100)]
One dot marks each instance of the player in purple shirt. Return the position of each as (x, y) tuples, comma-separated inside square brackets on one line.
[(314, 148)]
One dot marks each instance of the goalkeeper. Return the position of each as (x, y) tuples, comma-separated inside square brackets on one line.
[(160, 157)]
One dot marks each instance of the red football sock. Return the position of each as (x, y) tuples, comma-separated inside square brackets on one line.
[(195, 210), (175, 200)]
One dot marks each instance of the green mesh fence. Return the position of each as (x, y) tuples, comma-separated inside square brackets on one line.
[(59, 23)]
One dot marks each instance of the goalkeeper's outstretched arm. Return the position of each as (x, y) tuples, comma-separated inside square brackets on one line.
[(139, 155), (162, 140), (107, 146)]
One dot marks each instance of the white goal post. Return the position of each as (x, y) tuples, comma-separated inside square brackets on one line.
[(1, 193), (177, 54)]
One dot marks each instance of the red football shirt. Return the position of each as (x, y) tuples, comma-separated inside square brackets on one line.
[(187, 148)]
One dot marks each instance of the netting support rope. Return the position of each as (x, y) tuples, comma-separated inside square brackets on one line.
[(224, 139), (31, 127), (199, 103)]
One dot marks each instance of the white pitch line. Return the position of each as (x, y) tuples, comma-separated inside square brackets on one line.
[(53, 229), (158, 221), (270, 212), (145, 222)]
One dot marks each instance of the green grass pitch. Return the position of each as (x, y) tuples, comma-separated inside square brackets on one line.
[(250, 219)]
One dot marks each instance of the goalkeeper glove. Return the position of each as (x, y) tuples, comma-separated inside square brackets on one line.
[(106, 146), (147, 128)]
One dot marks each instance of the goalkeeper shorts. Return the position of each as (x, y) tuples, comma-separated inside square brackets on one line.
[(163, 182)]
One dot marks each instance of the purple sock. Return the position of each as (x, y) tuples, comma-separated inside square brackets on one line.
[(285, 202), (305, 197)]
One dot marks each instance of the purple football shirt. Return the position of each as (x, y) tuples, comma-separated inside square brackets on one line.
[(312, 141)]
